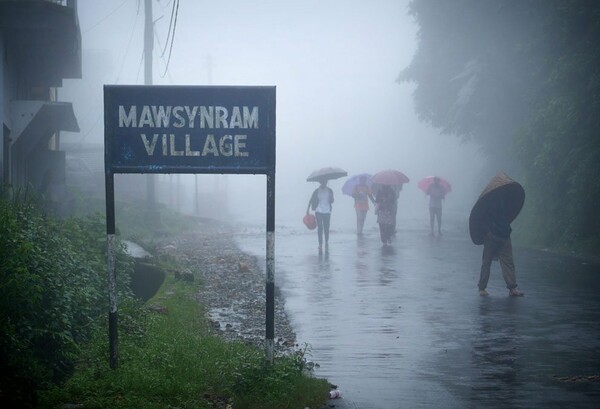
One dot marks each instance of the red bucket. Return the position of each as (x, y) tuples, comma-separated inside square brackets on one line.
[(310, 221)]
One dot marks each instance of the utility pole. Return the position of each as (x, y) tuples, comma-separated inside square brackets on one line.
[(148, 42), (148, 49), (209, 66)]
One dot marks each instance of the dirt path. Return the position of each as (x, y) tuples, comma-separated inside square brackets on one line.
[(233, 286)]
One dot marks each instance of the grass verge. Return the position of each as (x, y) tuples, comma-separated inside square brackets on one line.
[(170, 359)]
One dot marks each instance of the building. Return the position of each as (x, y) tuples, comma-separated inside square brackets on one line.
[(40, 46)]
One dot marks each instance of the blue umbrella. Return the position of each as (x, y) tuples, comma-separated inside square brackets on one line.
[(354, 181)]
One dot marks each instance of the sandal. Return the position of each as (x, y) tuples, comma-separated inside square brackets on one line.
[(513, 292)]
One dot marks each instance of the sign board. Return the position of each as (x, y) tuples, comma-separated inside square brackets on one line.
[(189, 129)]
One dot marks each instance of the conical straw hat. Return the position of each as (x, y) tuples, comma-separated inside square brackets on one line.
[(500, 187)]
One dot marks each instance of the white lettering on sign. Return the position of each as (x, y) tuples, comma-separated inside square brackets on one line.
[(179, 120), (146, 118), (172, 145), (239, 143), (188, 148), (127, 119), (149, 146), (191, 113), (204, 117), (210, 146)]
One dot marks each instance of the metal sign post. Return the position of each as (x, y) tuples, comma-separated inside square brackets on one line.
[(189, 129), (270, 282)]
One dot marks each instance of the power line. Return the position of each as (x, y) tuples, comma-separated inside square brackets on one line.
[(162, 58), (169, 31), (137, 76), (172, 38), (84, 137), (128, 45), (105, 17)]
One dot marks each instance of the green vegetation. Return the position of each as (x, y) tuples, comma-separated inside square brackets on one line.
[(52, 295), (54, 344), (522, 80), (171, 360)]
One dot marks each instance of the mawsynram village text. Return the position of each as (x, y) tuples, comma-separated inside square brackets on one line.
[(218, 119)]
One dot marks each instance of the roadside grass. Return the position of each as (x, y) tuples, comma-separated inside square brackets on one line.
[(171, 360)]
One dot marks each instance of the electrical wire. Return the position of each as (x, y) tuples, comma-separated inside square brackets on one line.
[(128, 45), (169, 30), (137, 76), (172, 38), (162, 58), (84, 137), (105, 17)]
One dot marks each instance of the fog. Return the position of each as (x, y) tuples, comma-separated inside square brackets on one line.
[(334, 65)]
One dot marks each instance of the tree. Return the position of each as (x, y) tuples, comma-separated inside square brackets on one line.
[(521, 79)]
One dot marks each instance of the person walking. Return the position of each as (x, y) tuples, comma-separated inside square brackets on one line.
[(386, 206), (489, 224), (321, 202), (436, 193), (361, 194)]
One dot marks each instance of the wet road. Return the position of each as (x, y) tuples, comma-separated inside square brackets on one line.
[(404, 326)]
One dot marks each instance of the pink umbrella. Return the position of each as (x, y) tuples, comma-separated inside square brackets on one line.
[(428, 181), (390, 177)]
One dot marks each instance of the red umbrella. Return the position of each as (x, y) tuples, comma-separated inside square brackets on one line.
[(428, 181), (390, 177)]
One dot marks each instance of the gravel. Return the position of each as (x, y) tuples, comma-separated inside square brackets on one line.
[(233, 286)]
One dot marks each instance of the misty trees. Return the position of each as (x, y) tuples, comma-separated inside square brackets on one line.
[(521, 79)]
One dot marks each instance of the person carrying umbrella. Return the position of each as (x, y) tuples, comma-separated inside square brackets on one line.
[(386, 201), (320, 202), (389, 180), (489, 224), (322, 199), (436, 193), (361, 194)]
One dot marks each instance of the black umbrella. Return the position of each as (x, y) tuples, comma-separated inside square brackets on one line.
[(501, 188), (328, 173)]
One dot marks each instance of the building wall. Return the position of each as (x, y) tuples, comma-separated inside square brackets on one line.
[(40, 44), (8, 91)]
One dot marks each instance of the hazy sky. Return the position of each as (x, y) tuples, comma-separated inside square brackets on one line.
[(334, 64)]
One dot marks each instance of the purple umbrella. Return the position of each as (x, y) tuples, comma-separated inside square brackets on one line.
[(354, 181)]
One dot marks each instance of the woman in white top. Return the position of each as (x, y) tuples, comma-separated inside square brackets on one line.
[(321, 201)]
